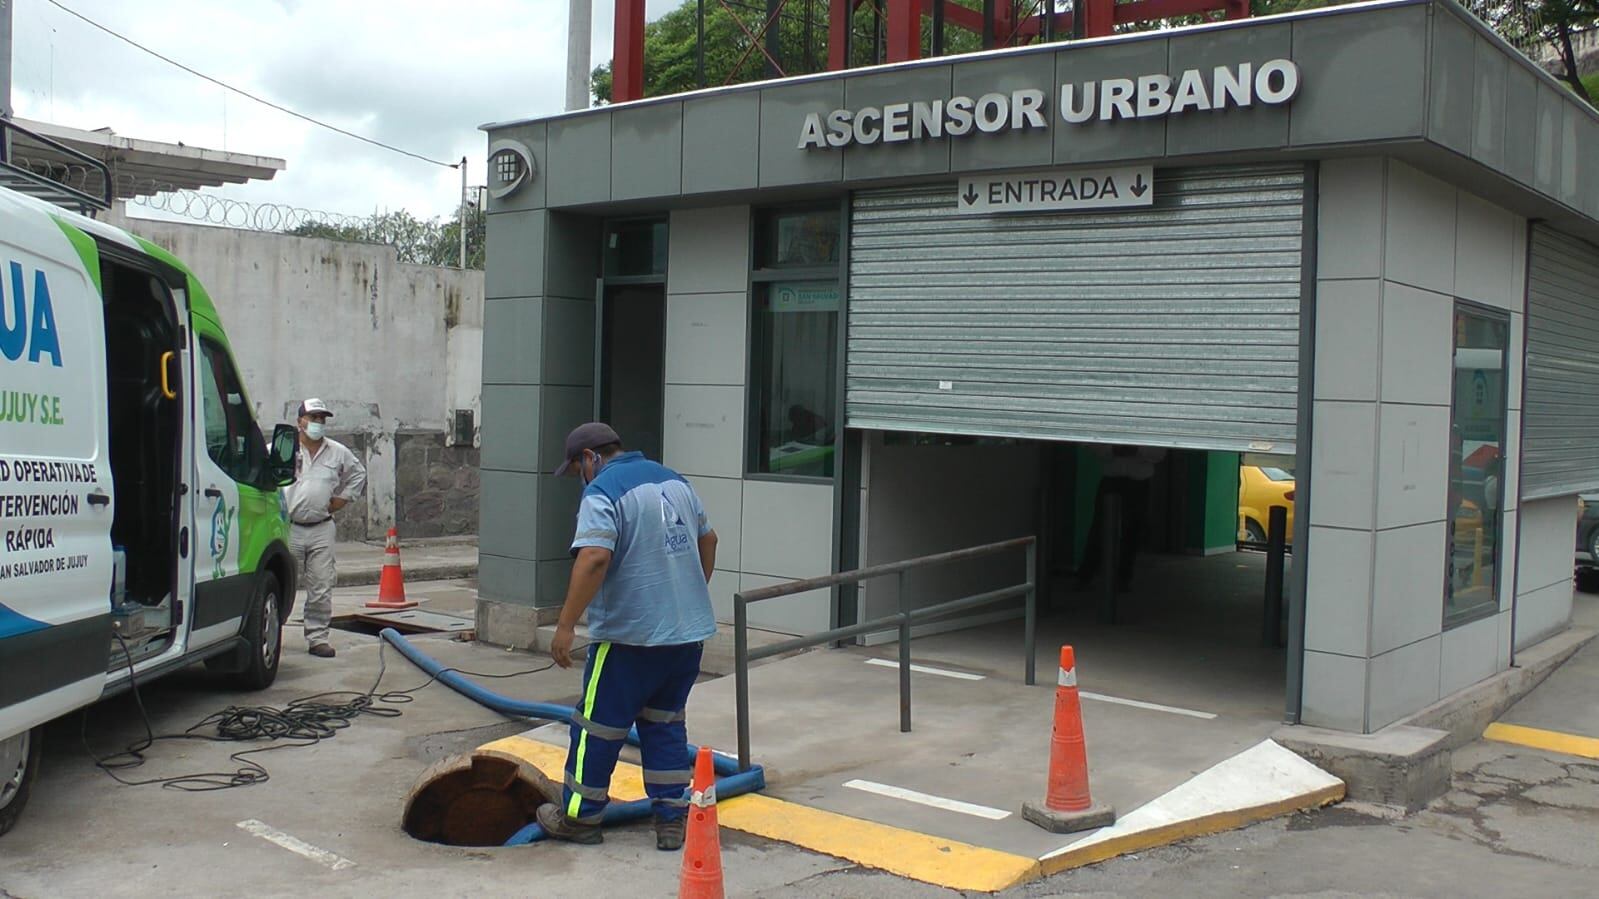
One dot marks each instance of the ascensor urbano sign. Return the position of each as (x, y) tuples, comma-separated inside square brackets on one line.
[(1146, 97)]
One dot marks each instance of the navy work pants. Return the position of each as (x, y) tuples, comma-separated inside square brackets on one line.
[(624, 685)]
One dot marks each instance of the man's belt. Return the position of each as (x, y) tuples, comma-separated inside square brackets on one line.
[(312, 524)]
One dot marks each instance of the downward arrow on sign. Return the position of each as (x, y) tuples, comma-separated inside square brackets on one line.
[(1139, 187), (971, 195)]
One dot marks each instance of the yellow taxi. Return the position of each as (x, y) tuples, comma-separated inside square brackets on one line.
[(1259, 488)]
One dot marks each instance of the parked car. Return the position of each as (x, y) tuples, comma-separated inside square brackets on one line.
[(1259, 488), (1588, 543)]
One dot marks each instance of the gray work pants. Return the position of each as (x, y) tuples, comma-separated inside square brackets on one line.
[(312, 546)]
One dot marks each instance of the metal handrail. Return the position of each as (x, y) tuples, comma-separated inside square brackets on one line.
[(902, 621), (84, 198)]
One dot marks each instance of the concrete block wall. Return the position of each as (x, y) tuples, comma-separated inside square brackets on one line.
[(393, 348), (1395, 249)]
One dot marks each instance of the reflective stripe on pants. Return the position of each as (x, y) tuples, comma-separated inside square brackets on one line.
[(623, 686)]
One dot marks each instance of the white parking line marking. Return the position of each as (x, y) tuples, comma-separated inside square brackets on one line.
[(923, 669), (296, 845), (949, 805), (1138, 704)]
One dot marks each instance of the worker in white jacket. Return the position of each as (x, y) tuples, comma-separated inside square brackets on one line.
[(328, 477)]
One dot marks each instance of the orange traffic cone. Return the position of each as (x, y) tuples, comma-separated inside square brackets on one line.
[(702, 841), (391, 586), (1067, 805)]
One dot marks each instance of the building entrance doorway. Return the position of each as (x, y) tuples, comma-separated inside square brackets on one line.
[(632, 364)]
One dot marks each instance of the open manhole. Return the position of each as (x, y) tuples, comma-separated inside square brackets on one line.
[(481, 799)]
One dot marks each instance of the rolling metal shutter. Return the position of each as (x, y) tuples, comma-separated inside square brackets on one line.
[(1173, 325), (1560, 433)]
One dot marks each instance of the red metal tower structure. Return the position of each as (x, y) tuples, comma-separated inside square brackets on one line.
[(998, 22)]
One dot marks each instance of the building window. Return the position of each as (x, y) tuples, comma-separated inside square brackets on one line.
[(1476, 465), (635, 248), (796, 346), (792, 238), (232, 440)]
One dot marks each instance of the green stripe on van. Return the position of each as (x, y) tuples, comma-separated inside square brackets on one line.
[(87, 251)]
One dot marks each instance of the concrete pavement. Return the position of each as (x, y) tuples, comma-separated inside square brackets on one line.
[(1517, 821)]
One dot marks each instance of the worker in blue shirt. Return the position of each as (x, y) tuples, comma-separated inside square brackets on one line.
[(644, 553)]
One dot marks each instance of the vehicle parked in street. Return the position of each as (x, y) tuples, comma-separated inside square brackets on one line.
[(141, 520), (1259, 488), (1588, 543)]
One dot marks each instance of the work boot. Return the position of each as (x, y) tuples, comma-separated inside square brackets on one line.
[(558, 826), (323, 650), (669, 834)]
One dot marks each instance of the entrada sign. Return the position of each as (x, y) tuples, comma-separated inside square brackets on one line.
[(1053, 190), (1157, 95)]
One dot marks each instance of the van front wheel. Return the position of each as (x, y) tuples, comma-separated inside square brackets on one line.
[(19, 766), (264, 630)]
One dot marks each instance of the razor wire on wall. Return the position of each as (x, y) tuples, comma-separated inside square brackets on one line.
[(184, 203)]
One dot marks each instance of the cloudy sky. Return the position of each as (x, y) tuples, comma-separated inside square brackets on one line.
[(419, 74)]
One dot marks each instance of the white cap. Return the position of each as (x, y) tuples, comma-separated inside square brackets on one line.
[(314, 406)]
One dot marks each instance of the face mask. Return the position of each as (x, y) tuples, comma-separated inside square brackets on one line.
[(313, 430)]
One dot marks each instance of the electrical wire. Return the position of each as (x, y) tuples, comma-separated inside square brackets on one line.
[(244, 93), (303, 722)]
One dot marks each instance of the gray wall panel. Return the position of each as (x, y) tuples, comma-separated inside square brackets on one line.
[(513, 340), (884, 160), (557, 515), (510, 427), (1571, 155), (506, 579), (506, 498), (721, 142), (783, 111), (708, 250), (1012, 149), (1521, 124), (1548, 136), (1346, 62), (531, 195), (1229, 129), (1171, 326), (562, 409), (1488, 111), (569, 343), (1096, 140), (514, 254), (574, 256), (580, 160), (647, 151), (1561, 416), (1452, 85)]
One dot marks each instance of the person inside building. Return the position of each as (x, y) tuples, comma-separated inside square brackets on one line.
[(1125, 472), (327, 478), (644, 554)]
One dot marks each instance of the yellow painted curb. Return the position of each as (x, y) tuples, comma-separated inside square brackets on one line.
[(919, 856), (1552, 740), (1187, 830)]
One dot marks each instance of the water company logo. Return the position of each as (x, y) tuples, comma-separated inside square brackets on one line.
[(27, 321), (221, 537)]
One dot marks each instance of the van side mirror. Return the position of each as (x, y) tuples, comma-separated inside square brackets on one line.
[(280, 458)]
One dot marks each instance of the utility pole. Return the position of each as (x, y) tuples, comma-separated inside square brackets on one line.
[(579, 37), (5, 77), (463, 224)]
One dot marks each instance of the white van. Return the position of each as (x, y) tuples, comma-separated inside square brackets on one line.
[(141, 522)]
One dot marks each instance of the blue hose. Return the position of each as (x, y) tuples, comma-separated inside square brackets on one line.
[(730, 781)]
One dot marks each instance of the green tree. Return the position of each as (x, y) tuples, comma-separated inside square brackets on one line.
[(1526, 22), (418, 241)]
